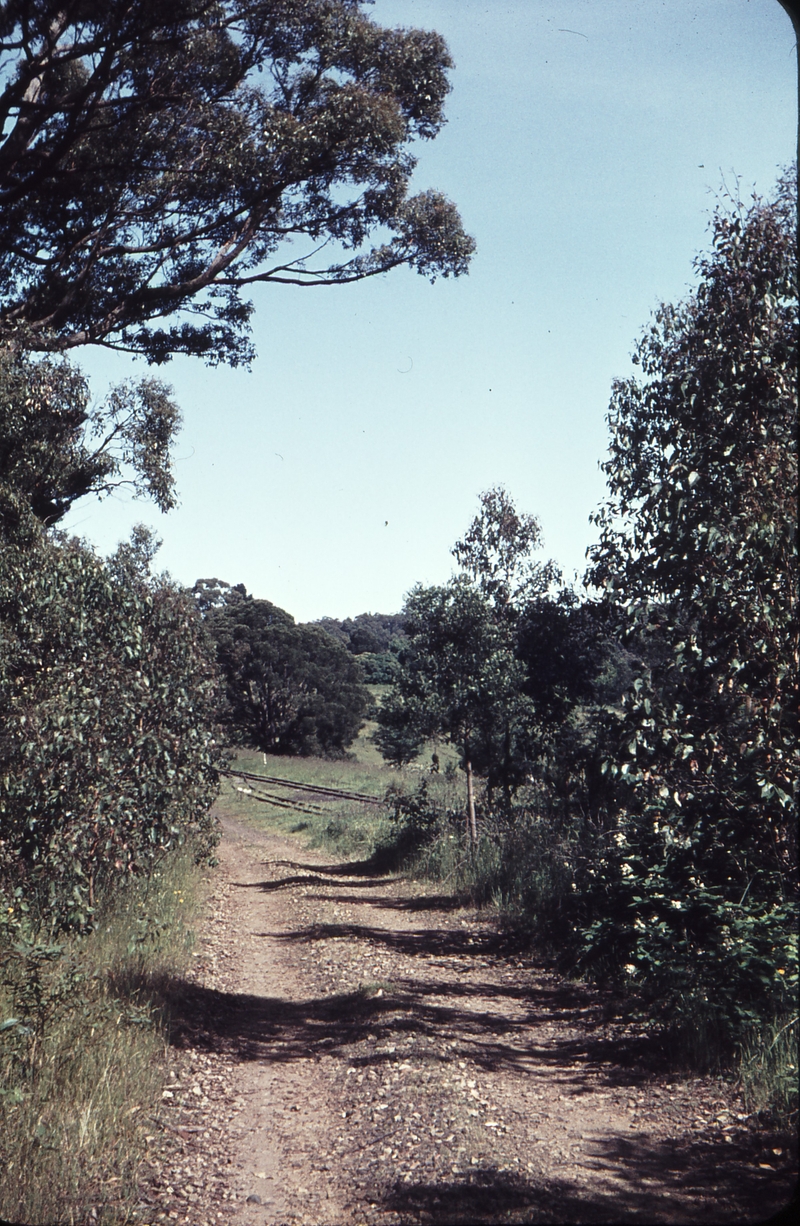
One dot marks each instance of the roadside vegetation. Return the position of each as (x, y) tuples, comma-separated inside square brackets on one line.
[(353, 828), (615, 768), (628, 756), (107, 773), (109, 690), (82, 1041), (639, 746), (108, 763)]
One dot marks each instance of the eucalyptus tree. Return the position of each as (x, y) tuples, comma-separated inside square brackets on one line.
[(159, 160), (107, 696), (56, 446), (698, 546), (458, 679), (495, 553), (460, 676)]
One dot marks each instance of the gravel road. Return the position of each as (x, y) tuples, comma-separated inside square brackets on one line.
[(350, 1048)]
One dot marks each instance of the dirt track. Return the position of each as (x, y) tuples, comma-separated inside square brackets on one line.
[(351, 1049)]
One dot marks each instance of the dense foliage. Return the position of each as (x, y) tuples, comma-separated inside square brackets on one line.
[(289, 689), (106, 682), (106, 700), (458, 678), (639, 749), (376, 638), (161, 158), (698, 546)]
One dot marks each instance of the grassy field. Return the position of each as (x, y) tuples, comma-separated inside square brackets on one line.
[(351, 828)]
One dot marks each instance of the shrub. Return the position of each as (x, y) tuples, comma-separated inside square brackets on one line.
[(107, 755)]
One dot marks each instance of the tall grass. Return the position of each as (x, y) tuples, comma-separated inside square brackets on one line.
[(520, 867), (81, 1060), (768, 1072)]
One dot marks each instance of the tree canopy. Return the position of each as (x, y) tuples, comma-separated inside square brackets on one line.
[(367, 633), (289, 689), (698, 550), (159, 159), (377, 639), (55, 447), (495, 554)]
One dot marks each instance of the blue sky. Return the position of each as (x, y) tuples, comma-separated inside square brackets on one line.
[(587, 142)]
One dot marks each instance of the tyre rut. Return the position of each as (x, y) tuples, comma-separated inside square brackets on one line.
[(351, 1048)]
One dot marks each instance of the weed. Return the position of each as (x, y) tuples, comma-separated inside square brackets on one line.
[(81, 1057), (768, 1065)]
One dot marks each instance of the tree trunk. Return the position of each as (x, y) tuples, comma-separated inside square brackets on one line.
[(507, 770), (472, 826)]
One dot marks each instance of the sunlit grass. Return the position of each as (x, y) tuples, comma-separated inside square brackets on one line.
[(349, 828), (82, 1067), (346, 827)]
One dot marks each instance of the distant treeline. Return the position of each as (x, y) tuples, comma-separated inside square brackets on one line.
[(376, 638)]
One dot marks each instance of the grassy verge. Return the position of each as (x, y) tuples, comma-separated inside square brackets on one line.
[(81, 1059), (342, 827)]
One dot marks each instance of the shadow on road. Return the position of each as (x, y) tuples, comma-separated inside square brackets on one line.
[(302, 878), (348, 868), (466, 1015), (460, 995), (634, 1178), (634, 1192)]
